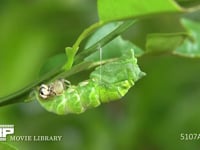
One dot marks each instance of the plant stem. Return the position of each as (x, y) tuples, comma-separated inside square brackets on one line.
[(71, 51)]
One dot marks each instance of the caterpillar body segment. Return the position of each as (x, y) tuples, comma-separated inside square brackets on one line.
[(87, 94), (106, 83)]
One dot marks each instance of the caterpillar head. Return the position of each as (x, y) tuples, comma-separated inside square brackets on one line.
[(44, 91), (55, 88)]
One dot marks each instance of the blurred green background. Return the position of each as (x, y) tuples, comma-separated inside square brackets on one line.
[(151, 116)]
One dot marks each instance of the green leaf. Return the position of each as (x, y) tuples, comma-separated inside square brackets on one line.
[(190, 47), (116, 48), (113, 49), (124, 68), (110, 10), (164, 42), (104, 38), (183, 44), (102, 32)]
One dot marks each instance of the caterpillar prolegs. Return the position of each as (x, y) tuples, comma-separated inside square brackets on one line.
[(107, 83)]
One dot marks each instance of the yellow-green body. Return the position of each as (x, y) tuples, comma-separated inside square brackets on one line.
[(87, 94), (107, 83)]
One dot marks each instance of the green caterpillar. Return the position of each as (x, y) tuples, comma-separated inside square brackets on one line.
[(107, 83)]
